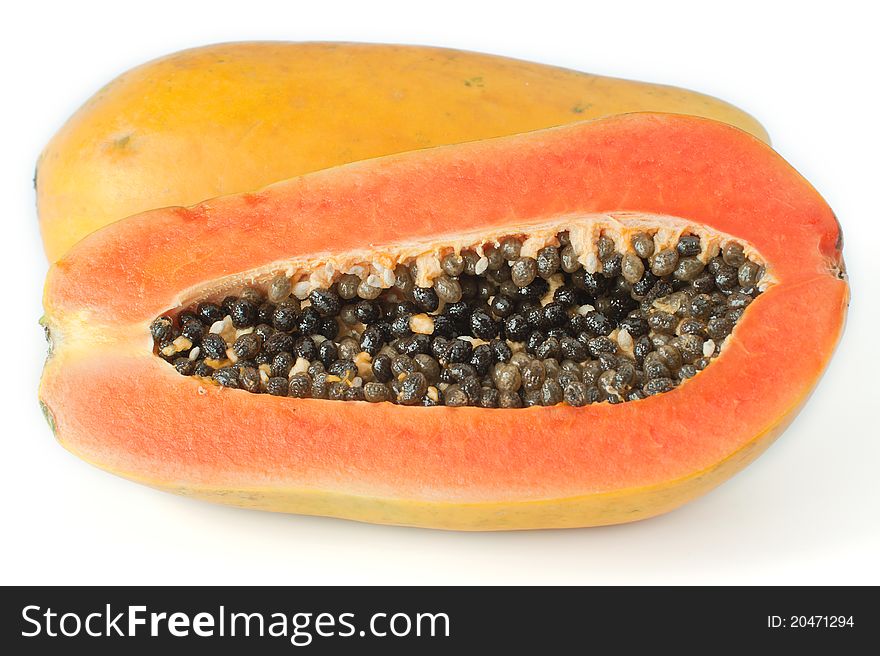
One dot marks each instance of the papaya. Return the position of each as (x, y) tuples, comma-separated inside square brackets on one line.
[(582, 325), (235, 117)]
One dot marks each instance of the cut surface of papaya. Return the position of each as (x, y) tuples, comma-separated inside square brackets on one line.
[(584, 325), (235, 117)]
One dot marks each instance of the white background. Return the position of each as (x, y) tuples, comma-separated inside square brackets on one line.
[(806, 512)]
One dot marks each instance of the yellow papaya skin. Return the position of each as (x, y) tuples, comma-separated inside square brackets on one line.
[(235, 117)]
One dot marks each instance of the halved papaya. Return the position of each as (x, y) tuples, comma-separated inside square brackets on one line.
[(234, 117), (639, 248)]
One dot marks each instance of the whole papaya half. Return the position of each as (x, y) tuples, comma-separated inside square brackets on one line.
[(235, 117), (582, 325)]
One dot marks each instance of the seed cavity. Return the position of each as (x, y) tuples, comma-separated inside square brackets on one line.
[(575, 317)]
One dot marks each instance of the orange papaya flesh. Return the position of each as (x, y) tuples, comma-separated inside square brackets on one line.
[(235, 117), (116, 404)]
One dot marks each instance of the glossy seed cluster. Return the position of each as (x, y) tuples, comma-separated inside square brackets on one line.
[(495, 330)]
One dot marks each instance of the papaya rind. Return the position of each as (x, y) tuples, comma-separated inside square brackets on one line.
[(237, 116)]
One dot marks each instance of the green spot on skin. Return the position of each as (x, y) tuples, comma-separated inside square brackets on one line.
[(119, 144), (474, 82), (48, 334), (581, 108), (50, 418)]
